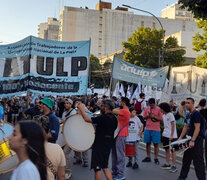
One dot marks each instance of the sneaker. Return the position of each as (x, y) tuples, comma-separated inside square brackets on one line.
[(147, 159), (119, 177), (77, 162), (165, 166), (85, 165), (173, 169), (135, 166), (129, 164), (157, 161), (68, 175)]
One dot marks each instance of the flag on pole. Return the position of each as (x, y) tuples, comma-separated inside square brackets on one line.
[(129, 91), (116, 91), (121, 90), (136, 93)]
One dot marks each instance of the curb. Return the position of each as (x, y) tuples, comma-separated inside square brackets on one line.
[(179, 158)]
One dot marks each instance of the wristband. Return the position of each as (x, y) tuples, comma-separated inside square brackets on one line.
[(192, 140)]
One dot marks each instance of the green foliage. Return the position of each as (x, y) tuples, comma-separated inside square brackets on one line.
[(144, 45), (200, 43), (94, 63), (173, 53), (98, 74), (197, 7)]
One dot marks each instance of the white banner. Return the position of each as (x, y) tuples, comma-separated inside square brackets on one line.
[(186, 81)]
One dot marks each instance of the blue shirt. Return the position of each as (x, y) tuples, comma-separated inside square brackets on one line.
[(1, 113), (54, 125)]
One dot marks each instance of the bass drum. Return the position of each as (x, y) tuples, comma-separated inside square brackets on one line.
[(78, 134), (60, 139), (8, 158)]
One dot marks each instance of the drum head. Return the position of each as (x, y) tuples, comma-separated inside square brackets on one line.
[(7, 129), (9, 165), (78, 134), (60, 139)]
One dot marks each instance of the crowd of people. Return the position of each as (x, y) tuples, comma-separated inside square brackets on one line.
[(37, 123)]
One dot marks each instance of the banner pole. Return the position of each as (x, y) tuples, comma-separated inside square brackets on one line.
[(110, 88)]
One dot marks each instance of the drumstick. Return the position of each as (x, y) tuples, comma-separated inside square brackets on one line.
[(183, 151)]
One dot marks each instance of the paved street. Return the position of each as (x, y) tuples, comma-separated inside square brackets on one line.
[(146, 171)]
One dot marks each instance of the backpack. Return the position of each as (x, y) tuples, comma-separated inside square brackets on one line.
[(138, 107)]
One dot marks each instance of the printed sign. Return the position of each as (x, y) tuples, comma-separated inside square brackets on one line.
[(45, 67)]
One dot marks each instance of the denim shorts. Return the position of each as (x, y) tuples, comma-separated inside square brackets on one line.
[(152, 136)]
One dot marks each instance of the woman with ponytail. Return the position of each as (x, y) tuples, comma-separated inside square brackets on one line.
[(27, 141)]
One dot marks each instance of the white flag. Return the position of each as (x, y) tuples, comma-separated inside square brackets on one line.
[(116, 91), (121, 90), (129, 91), (136, 93)]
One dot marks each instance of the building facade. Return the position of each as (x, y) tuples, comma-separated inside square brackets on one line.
[(175, 11), (49, 30), (108, 28)]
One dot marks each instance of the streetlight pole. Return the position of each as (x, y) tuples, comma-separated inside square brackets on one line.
[(161, 54)]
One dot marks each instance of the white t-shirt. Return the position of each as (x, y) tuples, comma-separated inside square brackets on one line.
[(26, 171), (134, 127), (167, 119), (67, 114)]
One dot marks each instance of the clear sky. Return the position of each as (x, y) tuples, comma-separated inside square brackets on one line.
[(20, 18)]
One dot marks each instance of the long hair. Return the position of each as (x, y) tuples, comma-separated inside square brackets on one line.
[(31, 131)]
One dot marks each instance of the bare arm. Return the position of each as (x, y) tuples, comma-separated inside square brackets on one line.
[(61, 173), (141, 130), (83, 113), (195, 135), (116, 111), (158, 118)]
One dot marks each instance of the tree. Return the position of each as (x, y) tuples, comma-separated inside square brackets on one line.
[(144, 45), (200, 43), (173, 55), (95, 68), (94, 63), (197, 7)]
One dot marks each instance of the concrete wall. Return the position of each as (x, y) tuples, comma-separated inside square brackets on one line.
[(109, 28)]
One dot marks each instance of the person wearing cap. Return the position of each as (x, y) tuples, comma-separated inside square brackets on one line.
[(46, 107), (67, 113)]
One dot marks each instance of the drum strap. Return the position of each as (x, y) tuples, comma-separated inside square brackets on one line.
[(68, 113), (51, 166), (122, 128)]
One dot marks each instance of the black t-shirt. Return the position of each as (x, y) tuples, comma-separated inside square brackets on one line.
[(204, 113), (33, 111), (196, 117), (106, 124)]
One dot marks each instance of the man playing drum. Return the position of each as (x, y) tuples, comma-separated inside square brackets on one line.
[(106, 124)]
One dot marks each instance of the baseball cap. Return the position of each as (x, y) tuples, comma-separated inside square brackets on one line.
[(69, 100)]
